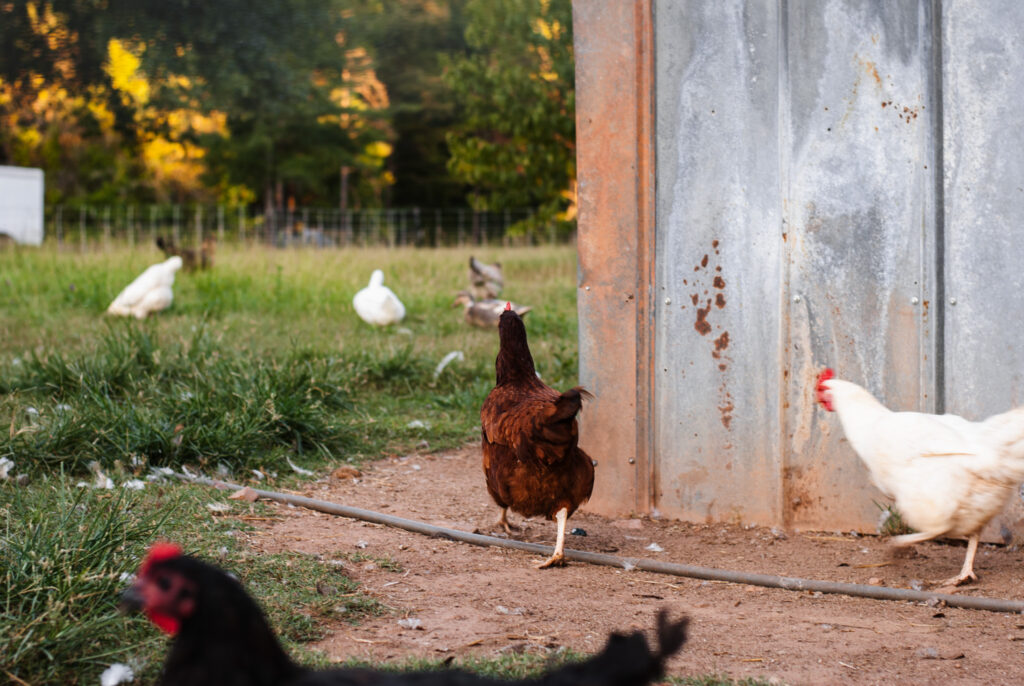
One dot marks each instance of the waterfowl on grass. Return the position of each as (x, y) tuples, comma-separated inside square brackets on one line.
[(484, 313), (150, 292), (485, 280), (377, 304)]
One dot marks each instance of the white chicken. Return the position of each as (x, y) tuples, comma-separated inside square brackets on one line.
[(948, 476), (150, 292), (377, 304)]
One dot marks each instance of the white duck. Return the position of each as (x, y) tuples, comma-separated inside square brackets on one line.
[(377, 304), (150, 292)]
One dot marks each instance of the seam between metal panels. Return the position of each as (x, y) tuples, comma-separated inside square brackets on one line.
[(782, 129), (938, 174), (646, 255)]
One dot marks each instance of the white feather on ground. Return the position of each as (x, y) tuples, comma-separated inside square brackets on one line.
[(450, 357), (115, 674), (376, 304), (150, 292)]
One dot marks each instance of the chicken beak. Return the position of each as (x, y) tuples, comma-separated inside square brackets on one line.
[(132, 600)]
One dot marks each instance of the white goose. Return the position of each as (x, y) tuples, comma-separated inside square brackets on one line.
[(150, 292), (376, 304)]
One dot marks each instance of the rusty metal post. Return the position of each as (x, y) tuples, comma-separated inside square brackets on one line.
[(615, 159)]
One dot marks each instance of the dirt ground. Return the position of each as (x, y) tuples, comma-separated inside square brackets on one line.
[(482, 601)]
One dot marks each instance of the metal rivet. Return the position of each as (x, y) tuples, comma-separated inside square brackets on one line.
[(952, 301), (796, 298), (586, 288), (668, 301), (632, 460), (914, 300)]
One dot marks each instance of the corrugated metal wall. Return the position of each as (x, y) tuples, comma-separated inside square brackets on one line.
[(829, 175)]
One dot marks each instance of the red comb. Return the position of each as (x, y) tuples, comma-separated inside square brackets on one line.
[(825, 375), (508, 306), (158, 553)]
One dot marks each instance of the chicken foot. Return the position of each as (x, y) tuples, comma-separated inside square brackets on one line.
[(504, 523), (966, 572), (557, 559)]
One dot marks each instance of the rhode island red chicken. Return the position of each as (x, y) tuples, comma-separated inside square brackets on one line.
[(532, 462), (949, 476), (221, 638)]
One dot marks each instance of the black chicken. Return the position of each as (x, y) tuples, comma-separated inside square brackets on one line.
[(221, 638)]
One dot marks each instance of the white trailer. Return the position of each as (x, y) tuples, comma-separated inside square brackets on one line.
[(21, 204)]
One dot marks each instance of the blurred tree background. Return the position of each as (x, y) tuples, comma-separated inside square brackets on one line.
[(360, 103)]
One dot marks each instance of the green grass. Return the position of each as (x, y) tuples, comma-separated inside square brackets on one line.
[(262, 353)]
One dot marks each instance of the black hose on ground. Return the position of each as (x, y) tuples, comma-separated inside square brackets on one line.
[(768, 580)]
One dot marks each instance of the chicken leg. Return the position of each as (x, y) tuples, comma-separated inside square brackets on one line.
[(967, 571), (504, 523), (557, 558)]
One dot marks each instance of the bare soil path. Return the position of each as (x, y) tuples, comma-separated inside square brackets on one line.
[(481, 601)]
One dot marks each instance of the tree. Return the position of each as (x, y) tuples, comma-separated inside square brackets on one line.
[(515, 145), (408, 39), (279, 71)]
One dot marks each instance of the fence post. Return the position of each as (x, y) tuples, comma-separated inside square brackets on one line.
[(176, 219), (241, 223), (106, 228), (81, 226), (59, 228), (220, 223), (130, 220), (199, 225)]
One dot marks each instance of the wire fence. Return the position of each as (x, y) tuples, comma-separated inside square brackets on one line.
[(95, 227)]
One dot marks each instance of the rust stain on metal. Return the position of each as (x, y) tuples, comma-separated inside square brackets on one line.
[(719, 282), (720, 300), (695, 298), (873, 70), (726, 408), (721, 343), (704, 261), (701, 325)]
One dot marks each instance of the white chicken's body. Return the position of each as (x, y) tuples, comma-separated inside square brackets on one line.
[(948, 476), (149, 292), (376, 304)]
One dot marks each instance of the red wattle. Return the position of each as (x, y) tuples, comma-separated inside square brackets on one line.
[(169, 625)]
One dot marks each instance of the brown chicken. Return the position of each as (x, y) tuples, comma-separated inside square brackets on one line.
[(191, 259), (532, 462)]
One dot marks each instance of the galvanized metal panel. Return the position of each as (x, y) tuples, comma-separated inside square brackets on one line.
[(794, 204), (983, 65), (859, 214), (718, 261), (819, 164)]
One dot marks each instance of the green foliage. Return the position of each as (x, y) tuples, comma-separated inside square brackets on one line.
[(890, 521), (408, 40), (141, 402), (515, 145), (278, 71)]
